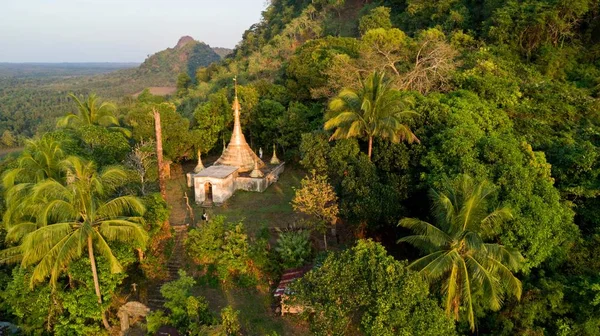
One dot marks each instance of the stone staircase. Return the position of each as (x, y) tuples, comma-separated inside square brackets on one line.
[(174, 264)]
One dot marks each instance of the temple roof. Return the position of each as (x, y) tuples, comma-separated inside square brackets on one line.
[(216, 171), (238, 153)]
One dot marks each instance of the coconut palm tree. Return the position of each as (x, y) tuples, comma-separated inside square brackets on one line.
[(375, 110), (77, 216), (39, 161), (456, 254), (92, 112)]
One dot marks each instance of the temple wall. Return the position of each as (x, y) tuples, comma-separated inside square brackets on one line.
[(251, 183), (222, 189), (259, 184)]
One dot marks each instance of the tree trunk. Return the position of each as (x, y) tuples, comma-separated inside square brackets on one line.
[(370, 146), (96, 282), (159, 155), (325, 239)]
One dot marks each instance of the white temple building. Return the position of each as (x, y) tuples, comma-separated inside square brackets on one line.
[(238, 168)]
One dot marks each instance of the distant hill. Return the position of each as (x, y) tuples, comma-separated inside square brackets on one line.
[(222, 51), (158, 70), (34, 94), (187, 56)]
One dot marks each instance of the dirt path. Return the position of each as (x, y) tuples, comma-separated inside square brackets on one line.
[(176, 189), (179, 220)]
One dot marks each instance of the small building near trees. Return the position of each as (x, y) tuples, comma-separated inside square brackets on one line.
[(238, 168)]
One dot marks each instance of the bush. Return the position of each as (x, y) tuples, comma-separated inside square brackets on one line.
[(186, 311), (222, 245), (155, 320), (294, 248), (230, 321), (366, 289)]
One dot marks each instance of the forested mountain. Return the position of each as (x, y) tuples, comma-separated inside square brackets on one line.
[(505, 91)]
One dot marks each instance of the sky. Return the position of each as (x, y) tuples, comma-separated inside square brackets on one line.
[(117, 30)]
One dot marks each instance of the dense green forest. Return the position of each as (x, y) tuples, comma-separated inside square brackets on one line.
[(453, 145)]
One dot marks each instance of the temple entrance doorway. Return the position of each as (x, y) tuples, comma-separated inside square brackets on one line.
[(208, 193)]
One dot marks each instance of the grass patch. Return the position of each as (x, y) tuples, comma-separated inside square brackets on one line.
[(256, 315), (271, 208)]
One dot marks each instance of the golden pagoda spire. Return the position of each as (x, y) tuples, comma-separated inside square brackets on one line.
[(238, 153), (236, 104), (237, 138)]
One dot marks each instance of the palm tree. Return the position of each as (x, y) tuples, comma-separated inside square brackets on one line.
[(375, 110), (72, 217), (456, 254), (91, 112), (39, 161)]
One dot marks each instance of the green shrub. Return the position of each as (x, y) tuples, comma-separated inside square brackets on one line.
[(155, 320), (223, 247), (186, 311), (230, 321), (293, 248)]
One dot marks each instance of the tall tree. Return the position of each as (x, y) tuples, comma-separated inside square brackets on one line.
[(456, 253), (375, 110), (159, 155), (74, 216), (365, 291), (92, 112), (317, 199), (40, 160)]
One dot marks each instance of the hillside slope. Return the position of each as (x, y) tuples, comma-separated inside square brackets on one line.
[(158, 70)]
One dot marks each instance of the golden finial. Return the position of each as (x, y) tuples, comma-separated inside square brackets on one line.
[(275, 159), (235, 85), (256, 171), (236, 103)]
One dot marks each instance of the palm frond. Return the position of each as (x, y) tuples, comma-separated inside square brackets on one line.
[(435, 235), (57, 211), (346, 117), (490, 285), (10, 177), (445, 210), (69, 251), (124, 230), (473, 241), (120, 207), (16, 232), (105, 250), (452, 290), (511, 283), (38, 243), (496, 218), (439, 266), (47, 262), (421, 242), (113, 177), (67, 120), (466, 292), (11, 255), (506, 255)]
